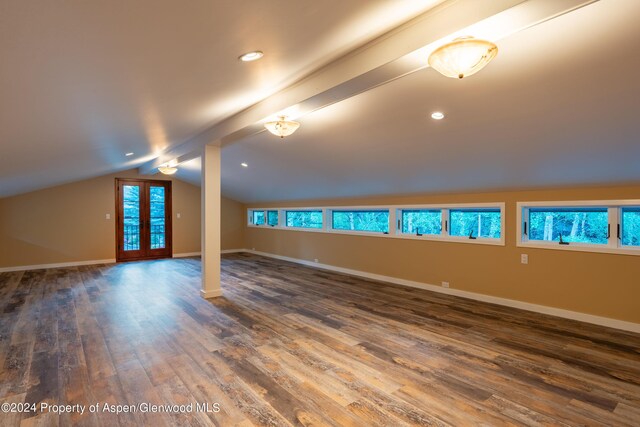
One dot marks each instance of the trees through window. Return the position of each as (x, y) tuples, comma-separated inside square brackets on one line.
[(272, 218), (304, 219), (607, 226), (258, 217), (421, 221), (600, 226), (572, 225), (376, 221), (476, 223), (630, 233), (473, 223)]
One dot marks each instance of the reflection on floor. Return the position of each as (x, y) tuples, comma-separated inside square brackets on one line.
[(291, 345)]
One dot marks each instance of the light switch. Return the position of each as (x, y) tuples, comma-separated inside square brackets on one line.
[(107, 216), (178, 215)]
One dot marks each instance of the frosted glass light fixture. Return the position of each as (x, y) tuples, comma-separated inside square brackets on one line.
[(168, 168), (462, 57), (282, 127)]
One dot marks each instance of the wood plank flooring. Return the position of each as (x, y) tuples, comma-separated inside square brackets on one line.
[(290, 345)]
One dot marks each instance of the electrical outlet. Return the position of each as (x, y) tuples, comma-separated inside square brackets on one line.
[(445, 284), (315, 260), (253, 249), (107, 216), (524, 259), (178, 215)]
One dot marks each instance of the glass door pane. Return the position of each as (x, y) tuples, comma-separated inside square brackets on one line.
[(157, 217), (131, 219), (143, 229)]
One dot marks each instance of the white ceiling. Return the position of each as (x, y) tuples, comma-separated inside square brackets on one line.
[(557, 107), (84, 82)]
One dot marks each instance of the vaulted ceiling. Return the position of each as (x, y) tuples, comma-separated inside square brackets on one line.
[(86, 83)]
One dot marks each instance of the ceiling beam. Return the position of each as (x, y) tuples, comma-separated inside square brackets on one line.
[(397, 53)]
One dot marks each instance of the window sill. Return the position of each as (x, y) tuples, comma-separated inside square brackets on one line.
[(452, 239), (576, 247), (278, 227), (430, 238)]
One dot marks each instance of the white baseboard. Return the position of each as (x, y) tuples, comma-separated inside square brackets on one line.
[(224, 251), (56, 265), (210, 294), (186, 254), (97, 261), (553, 311)]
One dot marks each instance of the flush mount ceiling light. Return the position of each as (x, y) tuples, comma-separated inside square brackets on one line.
[(437, 115), (462, 57), (282, 127), (251, 56), (129, 154), (244, 165), (168, 168)]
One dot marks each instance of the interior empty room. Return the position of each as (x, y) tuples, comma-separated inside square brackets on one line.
[(320, 213)]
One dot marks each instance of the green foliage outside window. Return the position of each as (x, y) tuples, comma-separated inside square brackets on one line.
[(272, 218), (631, 226), (478, 223), (304, 219), (575, 225), (372, 221), (422, 221), (157, 208), (258, 217)]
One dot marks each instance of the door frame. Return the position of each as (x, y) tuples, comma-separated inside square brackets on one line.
[(166, 252)]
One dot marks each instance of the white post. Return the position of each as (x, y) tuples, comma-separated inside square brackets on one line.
[(210, 220)]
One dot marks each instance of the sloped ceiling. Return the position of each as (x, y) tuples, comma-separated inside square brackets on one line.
[(557, 107), (84, 82)]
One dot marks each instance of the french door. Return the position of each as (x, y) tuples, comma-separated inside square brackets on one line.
[(143, 219)]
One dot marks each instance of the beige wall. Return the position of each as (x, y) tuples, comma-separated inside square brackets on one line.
[(232, 227), (67, 223), (593, 283)]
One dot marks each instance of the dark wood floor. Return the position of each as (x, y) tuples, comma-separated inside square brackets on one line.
[(289, 345)]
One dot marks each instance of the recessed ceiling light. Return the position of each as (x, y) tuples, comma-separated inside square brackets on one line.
[(437, 115), (251, 56), (244, 165), (129, 154)]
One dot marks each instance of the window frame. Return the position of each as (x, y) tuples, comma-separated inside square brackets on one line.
[(621, 224), (266, 217), (329, 223), (462, 209), (398, 225), (252, 217), (394, 212), (445, 235), (614, 217), (282, 215)]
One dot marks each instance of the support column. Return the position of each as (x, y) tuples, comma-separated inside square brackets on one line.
[(210, 220)]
